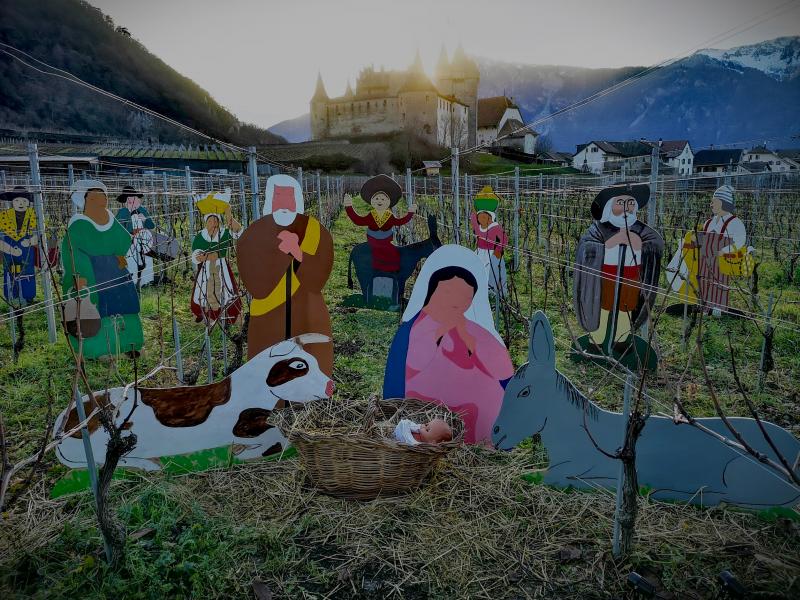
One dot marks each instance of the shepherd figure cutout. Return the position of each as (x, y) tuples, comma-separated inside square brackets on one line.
[(285, 259)]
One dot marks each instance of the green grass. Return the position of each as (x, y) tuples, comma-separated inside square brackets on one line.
[(483, 163), (208, 535)]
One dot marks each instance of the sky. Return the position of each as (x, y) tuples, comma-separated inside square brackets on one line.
[(260, 58)]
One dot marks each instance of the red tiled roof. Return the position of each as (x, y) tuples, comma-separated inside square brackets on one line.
[(491, 110)]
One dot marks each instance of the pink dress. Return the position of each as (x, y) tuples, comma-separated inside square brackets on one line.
[(447, 373)]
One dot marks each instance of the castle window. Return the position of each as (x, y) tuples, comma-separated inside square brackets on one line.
[(384, 104)]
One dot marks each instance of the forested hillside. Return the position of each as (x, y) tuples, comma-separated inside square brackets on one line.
[(77, 37)]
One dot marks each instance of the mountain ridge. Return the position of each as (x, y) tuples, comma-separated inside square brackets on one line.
[(709, 97)]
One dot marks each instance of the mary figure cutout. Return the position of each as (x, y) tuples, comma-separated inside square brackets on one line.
[(447, 350)]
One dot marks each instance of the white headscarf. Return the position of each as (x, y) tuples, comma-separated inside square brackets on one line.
[(283, 217), (618, 220), (490, 225), (452, 255), (80, 187)]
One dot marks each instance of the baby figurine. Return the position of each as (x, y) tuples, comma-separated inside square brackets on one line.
[(434, 432)]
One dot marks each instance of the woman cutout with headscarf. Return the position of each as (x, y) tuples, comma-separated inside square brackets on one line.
[(93, 255), (447, 350), (215, 294)]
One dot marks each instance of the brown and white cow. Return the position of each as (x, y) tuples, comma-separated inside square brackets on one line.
[(182, 420)]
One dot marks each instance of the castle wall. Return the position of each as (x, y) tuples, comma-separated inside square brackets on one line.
[(376, 116)]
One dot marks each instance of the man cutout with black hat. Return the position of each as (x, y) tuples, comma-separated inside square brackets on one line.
[(18, 242), (381, 193), (617, 265)]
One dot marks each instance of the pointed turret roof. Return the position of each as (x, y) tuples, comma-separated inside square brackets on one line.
[(319, 94), (463, 63), (348, 93), (417, 64), (444, 62)]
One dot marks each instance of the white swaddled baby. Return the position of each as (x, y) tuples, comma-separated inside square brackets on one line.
[(411, 433)]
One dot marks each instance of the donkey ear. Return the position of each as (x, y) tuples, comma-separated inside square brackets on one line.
[(541, 349)]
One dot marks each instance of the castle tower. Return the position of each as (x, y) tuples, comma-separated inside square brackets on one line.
[(460, 78), (319, 111)]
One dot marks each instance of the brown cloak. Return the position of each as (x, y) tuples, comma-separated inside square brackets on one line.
[(262, 267)]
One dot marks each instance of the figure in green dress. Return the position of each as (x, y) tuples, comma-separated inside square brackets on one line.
[(215, 294), (93, 255)]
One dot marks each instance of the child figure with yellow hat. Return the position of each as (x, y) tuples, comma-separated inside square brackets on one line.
[(215, 294), (491, 238)]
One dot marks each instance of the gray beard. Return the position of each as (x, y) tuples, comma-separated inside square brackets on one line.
[(284, 217), (619, 221)]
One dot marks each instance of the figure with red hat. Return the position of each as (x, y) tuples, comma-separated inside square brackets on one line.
[(617, 265)]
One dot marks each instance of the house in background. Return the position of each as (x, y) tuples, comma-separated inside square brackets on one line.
[(718, 162), (493, 114), (601, 156), (560, 159), (633, 157), (432, 167), (771, 160), (514, 135), (790, 156), (677, 154)]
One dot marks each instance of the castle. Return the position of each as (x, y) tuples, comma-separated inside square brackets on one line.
[(443, 111)]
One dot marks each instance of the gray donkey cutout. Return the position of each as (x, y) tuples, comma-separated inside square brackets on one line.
[(678, 462)]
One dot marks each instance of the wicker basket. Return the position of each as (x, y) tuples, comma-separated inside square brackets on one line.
[(366, 462)]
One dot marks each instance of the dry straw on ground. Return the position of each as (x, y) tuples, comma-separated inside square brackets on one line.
[(477, 529)]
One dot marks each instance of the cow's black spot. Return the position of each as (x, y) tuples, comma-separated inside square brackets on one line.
[(285, 370), (276, 448), (252, 423)]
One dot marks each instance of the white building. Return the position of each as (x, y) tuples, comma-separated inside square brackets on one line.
[(493, 113), (677, 154), (773, 161), (632, 157), (600, 156), (718, 162), (790, 156)]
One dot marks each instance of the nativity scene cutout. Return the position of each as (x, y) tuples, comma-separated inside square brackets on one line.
[(284, 259), (382, 268), (617, 267), (708, 259), (491, 238), (215, 294), (186, 420), (447, 350), (93, 253), (19, 245), (133, 216), (675, 461)]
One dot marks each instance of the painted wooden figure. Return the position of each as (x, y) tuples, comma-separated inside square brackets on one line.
[(137, 222), (93, 256), (18, 244), (285, 259), (674, 460), (447, 350), (187, 420), (491, 238), (382, 193), (215, 294), (617, 265), (707, 259)]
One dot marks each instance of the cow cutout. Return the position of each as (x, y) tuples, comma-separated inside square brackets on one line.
[(232, 412), (677, 462)]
